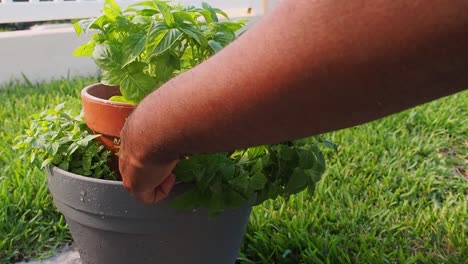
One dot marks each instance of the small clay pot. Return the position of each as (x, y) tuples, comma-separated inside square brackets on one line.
[(105, 117)]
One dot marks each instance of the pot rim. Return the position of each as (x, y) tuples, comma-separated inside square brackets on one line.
[(84, 178), (75, 176), (86, 94)]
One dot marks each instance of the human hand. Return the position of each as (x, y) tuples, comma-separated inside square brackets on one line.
[(148, 178)]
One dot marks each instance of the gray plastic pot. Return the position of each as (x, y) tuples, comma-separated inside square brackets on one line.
[(109, 226)]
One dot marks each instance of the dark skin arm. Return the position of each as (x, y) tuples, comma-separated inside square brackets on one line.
[(309, 67)]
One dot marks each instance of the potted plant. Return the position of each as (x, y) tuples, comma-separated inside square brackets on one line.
[(138, 50), (204, 218)]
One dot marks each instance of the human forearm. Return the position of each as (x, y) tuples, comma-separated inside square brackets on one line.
[(311, 67)]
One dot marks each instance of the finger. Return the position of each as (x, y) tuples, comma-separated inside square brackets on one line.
[(157, 194), (145, 178), (126, 184), (146, 197), (163, 190)]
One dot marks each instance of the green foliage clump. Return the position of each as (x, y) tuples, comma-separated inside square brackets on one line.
[(61, 138), (253, 175), (219, 180), (145, 45)]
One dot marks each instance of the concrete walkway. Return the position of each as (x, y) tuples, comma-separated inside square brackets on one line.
[(66, 255)]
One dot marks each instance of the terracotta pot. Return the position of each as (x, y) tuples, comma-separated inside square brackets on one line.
[(105, 117)]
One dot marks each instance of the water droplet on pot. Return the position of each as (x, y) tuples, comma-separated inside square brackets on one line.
[(194, 210), (82, 199), (126, 211), (83, 192)]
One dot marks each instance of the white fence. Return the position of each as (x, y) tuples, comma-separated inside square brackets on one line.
[(46, 52), (13, 11)]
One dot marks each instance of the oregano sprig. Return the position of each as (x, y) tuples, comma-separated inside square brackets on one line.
[(251, 176), (59, 137)]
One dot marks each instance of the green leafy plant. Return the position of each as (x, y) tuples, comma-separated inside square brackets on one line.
[(61, 138), (218, 181), (253, 175), (145, 45)]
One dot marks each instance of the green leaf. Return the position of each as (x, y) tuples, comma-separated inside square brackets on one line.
[(55, 148), (208, 16), (119, 98), (136, 86), (112, 78), (215, 46), (240, 183), (78, 28), (165, 10), (297, 181), (212, 12), (72, 148), (257, 181), (133, 46), (271, 191), (58, 108), (234, 26), (85, 49), (200, 177), (87, 161), (147, 12), (122, 24), (286, 153), (330, 144), (64, 165), (255, 152), (150, 4), (46, 162), (228, 171), (306, 158), (182, 17), (188, 199), (224, 37), (233, 199), (33, 157), (106, 56), (258, 166), (85, 141), (142, 21), (135, 67), (83, 26), (156, 33), (100, 22), (170, 38), (221, 12), (174, 62), (319, 157), (112, 10), (164, 68), (196, 34)]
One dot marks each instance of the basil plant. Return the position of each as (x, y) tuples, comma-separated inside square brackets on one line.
[(148, 43)]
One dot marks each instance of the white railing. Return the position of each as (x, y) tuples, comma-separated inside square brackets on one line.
[(14, 11), (45, 52)]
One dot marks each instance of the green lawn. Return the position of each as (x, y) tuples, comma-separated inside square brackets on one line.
[(396, 192)]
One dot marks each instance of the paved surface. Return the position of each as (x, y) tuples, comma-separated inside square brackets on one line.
[(67, 255)]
